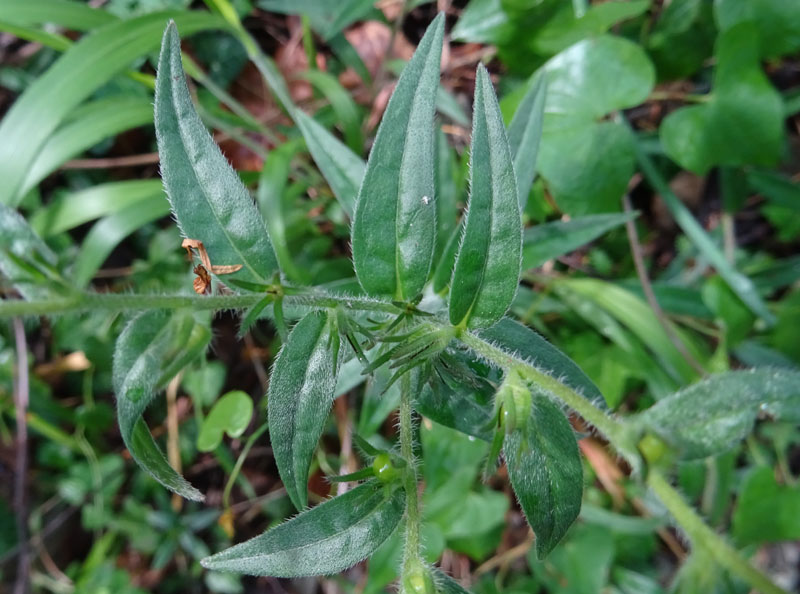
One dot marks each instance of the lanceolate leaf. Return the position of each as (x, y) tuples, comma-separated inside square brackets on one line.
[(456, 407), (341, 167), (527, 345), (206, 195), (394, 226), (525, 133), (487, 268), (711, 416), (545, 469), (447, 585), (149, 352), (326, 539), (301, 392)]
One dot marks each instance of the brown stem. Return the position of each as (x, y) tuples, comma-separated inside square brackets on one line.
[(21, 395)]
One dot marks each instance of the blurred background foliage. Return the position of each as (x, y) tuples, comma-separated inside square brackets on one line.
[(686, 108)]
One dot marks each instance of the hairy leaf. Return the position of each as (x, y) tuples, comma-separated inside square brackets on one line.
[(487, 268), (326, 539), (394, 224), (455, 407), (209, 201), (527, 345), (153, 347), (525, 134), (713, 415), (301, 391), (545, 469)]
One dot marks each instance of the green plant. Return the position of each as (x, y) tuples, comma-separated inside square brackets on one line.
[(452, 352)]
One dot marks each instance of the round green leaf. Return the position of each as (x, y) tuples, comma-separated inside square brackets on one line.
[(231, 414)]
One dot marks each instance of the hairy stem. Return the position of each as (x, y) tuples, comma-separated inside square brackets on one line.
[(132, 302), (413, 518), (701, 535), (614, 430)]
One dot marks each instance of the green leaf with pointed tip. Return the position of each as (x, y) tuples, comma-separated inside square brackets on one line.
[(545, 469), (25, 260), (713, 415), (447, 585), (153, 347), (230, 414), (742, 122), (486, 273), (324, 540), (301, 392), (527, 345), (340, 166), (551, 240), (455, 407), (525, 134), (394, 225), (80, 71), (207, 197)]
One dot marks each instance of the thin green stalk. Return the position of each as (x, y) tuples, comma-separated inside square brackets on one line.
[(702, 536), (413, 518), (132, 302), (226, 494)]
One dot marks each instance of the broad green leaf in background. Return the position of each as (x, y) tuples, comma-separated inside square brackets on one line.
[(486, 272), (153, 347), (301, 391), (394, 225), (551, 240), (777, 23), (525, 134), (341, 167), (742, 121), (545, 469), (207, 197), (783, 197), (587, 163), (682, 38), (324, 540), (480, 22), (766, 511), (711, 416), (88, 125), (80, 71), (69, 210), (230, 414), (25, 260), (109, 232), (527, 345)]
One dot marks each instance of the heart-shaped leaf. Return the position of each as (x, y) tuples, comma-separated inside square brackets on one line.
[(326, 539), (301, 392), (777, 23), (742, 121), (486, 272), (230, 414), (207, 197), (153, 347), (545, 469), (394, 225), (587, 163)]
